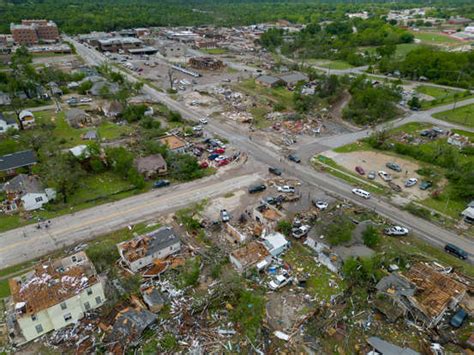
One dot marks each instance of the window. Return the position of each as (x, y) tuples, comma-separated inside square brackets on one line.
[(39, 199), (63, 305), (98, 300), (33, 317), (87, 306), (74, 259), (67, 317), (89, 291), (39, 329)]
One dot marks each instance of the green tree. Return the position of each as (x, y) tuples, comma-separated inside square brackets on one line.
[(414, 103), (184, 167), (284, 226)]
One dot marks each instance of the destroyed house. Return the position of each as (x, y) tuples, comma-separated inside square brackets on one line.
[(141, 251), (52, 296), (423, 293), (267, 215), (206, 63), (254, 254)]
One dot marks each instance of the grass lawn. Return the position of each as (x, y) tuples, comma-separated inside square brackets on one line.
[(4, 289), (332, 64), (405, 48), (301, 258), (435, 38), (215, 51), (441, 96), (464, 133), (446, 204), (462, 115)]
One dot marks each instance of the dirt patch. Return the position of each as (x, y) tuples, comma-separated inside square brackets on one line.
[(285, 308), (370, 160)]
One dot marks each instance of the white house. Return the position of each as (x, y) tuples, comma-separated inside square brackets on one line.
[(253, 254), (276, 243), (53, 295), (141, 251), (26, 191), (7, 123)]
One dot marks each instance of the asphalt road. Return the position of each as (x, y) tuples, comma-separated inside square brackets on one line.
[(26, 243), (102, 219)]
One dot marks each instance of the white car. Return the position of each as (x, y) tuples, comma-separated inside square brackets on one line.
[(286, 188), (203, 120), (322, 205), (300, 231), (225, 216), (411, 182), (385, 176), (197, 128), (361, 193), (220, 157), (396, 231), (85, 99), (278, 282)]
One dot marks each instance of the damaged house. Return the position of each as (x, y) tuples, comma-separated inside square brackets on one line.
[(253, 254), (26, 192), (52, 296), (421, 292), (151, 166), (141, 251)]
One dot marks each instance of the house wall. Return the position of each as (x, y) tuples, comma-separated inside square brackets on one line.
[(236, 263), (148, 260), (53, 317), (30, 203)]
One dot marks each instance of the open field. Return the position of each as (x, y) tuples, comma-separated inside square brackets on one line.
[(435, 38), (441, 96), (461, 115), (332, 64)]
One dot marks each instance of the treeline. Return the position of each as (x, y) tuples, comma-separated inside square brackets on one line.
[(446, 68), (74, 16), (339, 39)]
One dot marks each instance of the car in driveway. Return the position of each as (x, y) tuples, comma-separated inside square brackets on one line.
[(279, 281), (301, 231), (396, 231), (360, 170), (294, 158), (385, 176), (411, 182), (320, 204), (361, 193), (425, 185), (213, 156), (197, 128), (286, 189), (225, 216), (222, 162), (257, 188), (275, 171), (219, 151), (161, 183), (85, 100), (458, 319), (393, 166), (203, 120), (371, 175)]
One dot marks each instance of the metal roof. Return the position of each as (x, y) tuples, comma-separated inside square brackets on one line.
[(17, 160)]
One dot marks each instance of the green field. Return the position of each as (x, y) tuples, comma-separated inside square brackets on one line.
[(435, 38), (405, 48), (442, 96), (462, 115), (332, 64), (215, 51)]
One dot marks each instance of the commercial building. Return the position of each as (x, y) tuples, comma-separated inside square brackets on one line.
[(116, 44), (34, 31), (206, 63), (53, 295)]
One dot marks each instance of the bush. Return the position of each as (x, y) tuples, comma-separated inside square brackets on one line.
[(284, 227), (371, 236), (339, 231)]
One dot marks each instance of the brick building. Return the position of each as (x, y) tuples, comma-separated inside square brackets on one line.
[(34, 31)]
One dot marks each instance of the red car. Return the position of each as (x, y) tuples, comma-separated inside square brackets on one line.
[(219, 151), (360, 170), (222, 162), (204, 165)]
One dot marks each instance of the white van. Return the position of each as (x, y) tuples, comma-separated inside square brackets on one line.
[(361, 193)]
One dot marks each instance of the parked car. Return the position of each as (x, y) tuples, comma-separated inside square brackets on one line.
[(301, 231), (396, 231), (197, 128), (222, 162), (385, 176), (279, 281), (320, 204), (286, 189), (203, 120), (456, 251), (257, 188), (411, 182), (458, 319), (219, 151), (295, 158), (393, 166), (361, 193), (225, 216), (360, 170), (161, 183), (213, 156), (85, 100), (220, 158), (425, 185), (371, 175), (275, 171), (437, 130), (204, 165)]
